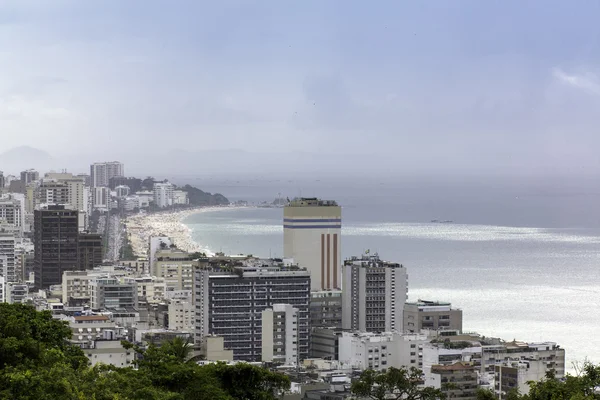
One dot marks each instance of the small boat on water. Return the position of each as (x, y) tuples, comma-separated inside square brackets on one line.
[(437, 221)]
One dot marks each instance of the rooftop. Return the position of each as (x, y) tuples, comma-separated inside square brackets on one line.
[(84, 318), (311, 202), (459, 366), (428, 303)]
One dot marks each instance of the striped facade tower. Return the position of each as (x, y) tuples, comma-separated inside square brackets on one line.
[(312, 233)]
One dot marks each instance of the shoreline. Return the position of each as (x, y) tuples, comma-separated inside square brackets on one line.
[(140, 227)]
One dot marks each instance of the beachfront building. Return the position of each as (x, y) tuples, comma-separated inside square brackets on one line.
[(163, 194), (374, 294), (312, 238), (101, 172), (230, 301), (180, 197), (431, 315)]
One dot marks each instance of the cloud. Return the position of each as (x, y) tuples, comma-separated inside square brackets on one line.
[(586, 81)]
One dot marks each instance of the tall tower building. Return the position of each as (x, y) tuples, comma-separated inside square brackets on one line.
[(29, 176), (312, 232), (163, 194), (56, 244), (100, 173), (374, 294)]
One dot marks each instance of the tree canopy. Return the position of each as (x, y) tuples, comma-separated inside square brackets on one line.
[(38, 362)]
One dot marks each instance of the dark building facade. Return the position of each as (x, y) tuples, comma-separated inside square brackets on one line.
[(56, 242), (230, 304), (90, 251)]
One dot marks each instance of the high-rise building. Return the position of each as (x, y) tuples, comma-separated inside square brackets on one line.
[(122, 191), (326, 309), (51, 191), (90, 251), (312, 237), (2, 180), (29, 176), (163, 194), (374, 294), (56, 237), (101, 198), (7, 258), (230, 302), (100, 173), (12, 214), (280, 335)]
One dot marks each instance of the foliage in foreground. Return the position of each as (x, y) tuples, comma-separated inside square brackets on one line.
[(405, 384), (37, 362)]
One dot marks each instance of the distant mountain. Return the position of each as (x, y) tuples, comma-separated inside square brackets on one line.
[(198, 197), (24, 157)]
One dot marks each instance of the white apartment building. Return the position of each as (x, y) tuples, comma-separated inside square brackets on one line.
[(180, 197), (312, 236), (101, 172), (151, 288), (379, 351), (374, 294), (101, 198), (438, 354), (110, 292), (280, 334), (182, 316), (12, 213), (75, 286), (7, 258), (163, 194), (122, 191), (16, 292)]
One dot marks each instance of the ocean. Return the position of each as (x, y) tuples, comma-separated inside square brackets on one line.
[(521, 260)]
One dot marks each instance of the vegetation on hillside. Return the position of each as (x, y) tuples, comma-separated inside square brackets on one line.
[(199, 198), (38, 363)]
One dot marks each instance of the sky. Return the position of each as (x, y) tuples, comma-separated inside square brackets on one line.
[(439, 85)]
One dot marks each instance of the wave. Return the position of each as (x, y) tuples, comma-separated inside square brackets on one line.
[(444, 232)]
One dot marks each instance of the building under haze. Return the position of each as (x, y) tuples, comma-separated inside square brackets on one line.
[(56, 240), (312, 237), (101, 172), (29, 176), (163, 194)]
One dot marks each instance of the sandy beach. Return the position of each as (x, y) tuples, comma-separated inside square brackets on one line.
[(141, 227)]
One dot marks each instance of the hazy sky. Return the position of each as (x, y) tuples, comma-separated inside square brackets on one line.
[(450, 83)]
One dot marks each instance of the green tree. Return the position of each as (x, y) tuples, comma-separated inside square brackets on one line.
[(394, 383), (26, 334)]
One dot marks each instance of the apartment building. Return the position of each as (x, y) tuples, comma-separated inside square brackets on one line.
[(7, 258), (280, 335), (379, 351), (102, 172), (230, 301), (163, 194), (431, 315), (531, 360), (456, 381), (181, 315), (110, 292), (326, 309), (12, 214), (176, 267), (374, 294)]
